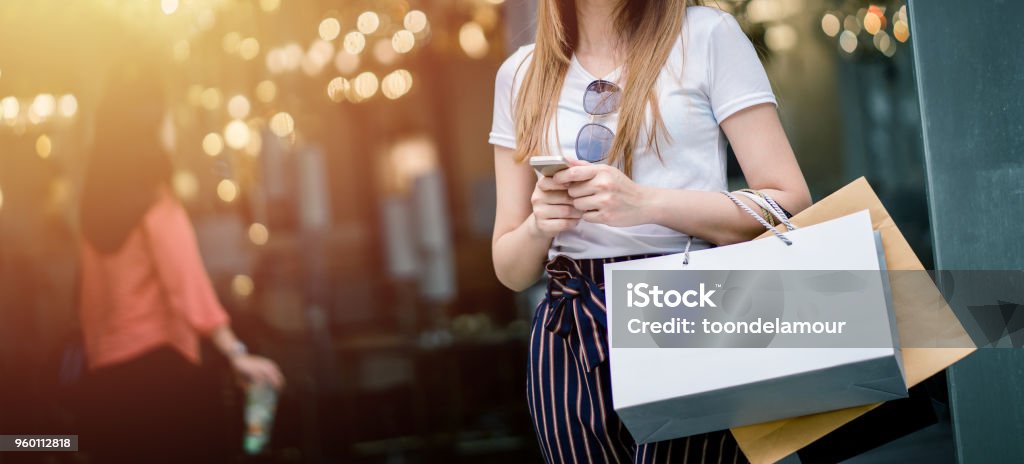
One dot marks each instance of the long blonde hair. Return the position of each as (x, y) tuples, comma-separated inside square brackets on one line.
[(649, 28)]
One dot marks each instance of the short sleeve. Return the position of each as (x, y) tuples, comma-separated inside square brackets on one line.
[(174, 249), (503, 131), (736, 78)]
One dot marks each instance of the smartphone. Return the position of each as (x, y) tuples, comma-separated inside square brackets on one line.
[(548, 165)]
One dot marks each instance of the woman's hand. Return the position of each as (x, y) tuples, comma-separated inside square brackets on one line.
[(553, 210), (605, 195), (256, 369)]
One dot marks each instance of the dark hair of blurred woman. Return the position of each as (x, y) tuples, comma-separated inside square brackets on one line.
[(126, 165)]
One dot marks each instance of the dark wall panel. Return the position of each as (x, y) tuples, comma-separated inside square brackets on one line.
[(970, 65)]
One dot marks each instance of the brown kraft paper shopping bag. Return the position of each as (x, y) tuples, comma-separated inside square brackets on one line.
[(922, 319)]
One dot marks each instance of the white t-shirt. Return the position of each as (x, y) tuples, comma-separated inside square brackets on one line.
[(712, 72)]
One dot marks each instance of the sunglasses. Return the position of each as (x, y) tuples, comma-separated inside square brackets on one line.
[(594, 140)]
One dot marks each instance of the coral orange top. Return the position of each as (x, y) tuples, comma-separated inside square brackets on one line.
[(152, 292)]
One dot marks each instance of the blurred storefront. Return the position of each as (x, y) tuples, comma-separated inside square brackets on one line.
[(333, 157)]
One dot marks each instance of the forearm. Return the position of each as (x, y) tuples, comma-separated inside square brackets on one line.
[(712, 216), (519, 255)]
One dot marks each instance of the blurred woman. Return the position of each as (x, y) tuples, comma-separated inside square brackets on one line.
[(145, 298), (641, 98)]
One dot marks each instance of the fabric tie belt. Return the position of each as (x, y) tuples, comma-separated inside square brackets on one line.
[(576, 310)]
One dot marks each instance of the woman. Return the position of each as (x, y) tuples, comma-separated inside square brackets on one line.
[(641, 96), (145, 298)]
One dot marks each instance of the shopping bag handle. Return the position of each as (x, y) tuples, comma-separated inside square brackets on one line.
[(768, 204), (760, 219)]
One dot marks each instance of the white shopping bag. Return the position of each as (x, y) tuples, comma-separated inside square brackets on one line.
[(663, 393)]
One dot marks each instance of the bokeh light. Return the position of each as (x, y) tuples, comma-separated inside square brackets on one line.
[(266, 91), (850, 23), (403, 41), (242, 285), (227, 190), (68, 105), (236, 134), (282, 124), (830, 24), (238, 106), (768, 11), (884, 43), (169, 6), (415, 21), (337, 88), (473, 40), (321, 52), (346, 63), (275, 61), (384, 53), (211, 98), (329, 28), (258, 234), (213, 144), (185, 185), (396, 84), (43, 105), (365, 85), (780, 37), (44, 146), (249, 48), (872, 23), (368, 22), (848, 41), (292, 54), (354, 42), (878, 12), (10, 107), (900, 30)]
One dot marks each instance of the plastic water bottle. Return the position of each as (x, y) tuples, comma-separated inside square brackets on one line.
[(260, 407)]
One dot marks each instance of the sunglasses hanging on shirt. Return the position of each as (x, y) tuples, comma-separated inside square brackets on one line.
[(594, 140)]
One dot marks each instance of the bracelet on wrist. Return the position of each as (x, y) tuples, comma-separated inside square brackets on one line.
[(238, 349)]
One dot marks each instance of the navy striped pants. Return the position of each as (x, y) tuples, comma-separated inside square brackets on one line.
[(568, 385)]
